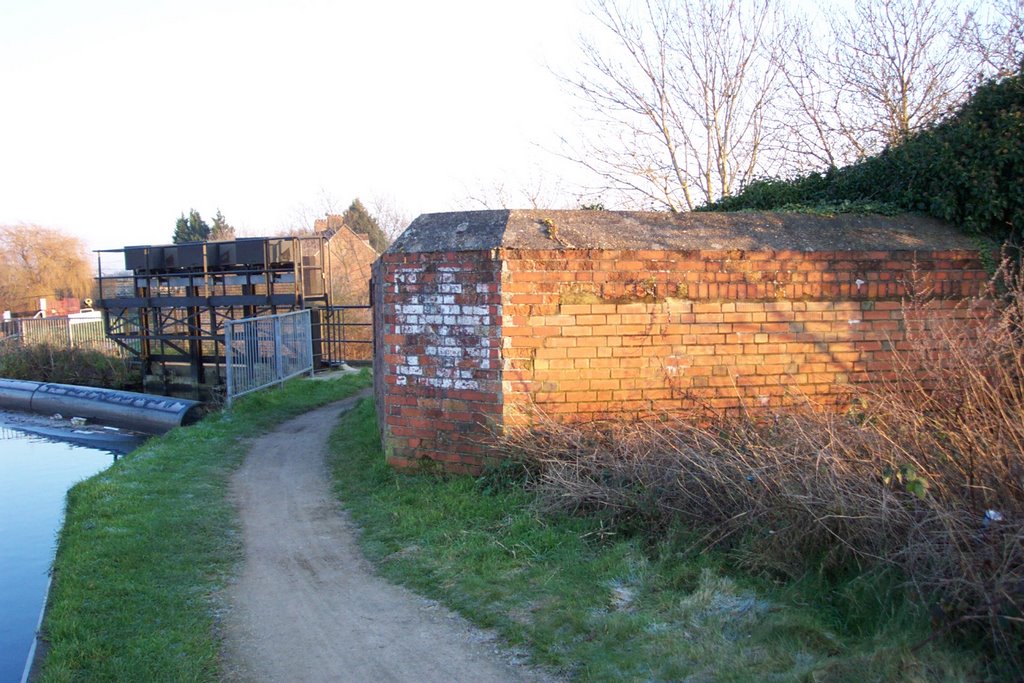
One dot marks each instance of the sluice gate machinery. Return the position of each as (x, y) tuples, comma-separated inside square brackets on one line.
[(169, 303)]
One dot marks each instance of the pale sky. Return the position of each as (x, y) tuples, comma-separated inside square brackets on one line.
[(118, 115)]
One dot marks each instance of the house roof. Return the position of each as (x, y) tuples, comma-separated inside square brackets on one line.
[(751, 231), (332, 224)]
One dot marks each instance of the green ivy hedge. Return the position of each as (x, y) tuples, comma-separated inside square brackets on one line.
[(967, 169)]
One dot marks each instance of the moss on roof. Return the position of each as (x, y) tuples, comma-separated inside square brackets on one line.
[(540, 229)]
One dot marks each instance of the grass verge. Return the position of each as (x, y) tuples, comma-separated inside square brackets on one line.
[(603, 606), (147, 545), (921, 478)]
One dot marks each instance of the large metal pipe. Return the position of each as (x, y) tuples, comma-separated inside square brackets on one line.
[(16, 394), (127, 409)]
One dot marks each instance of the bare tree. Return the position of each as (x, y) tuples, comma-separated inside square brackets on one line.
[(889, 68), (37, 262), (897, 66), (538, 190), (810, 108), (488, 195), (677, 98), (686, 101), (391, 217), (996, 36), (304, 216)]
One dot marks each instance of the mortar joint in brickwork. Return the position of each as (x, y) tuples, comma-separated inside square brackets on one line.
[(581, 333)]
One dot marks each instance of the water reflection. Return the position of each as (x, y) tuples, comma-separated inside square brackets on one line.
[(35, 474), (6, 433)]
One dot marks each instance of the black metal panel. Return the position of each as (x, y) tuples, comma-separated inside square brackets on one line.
[(123, 303), (175, 301), (155, 258), (170, 258), (248, 252), (182, 301), (135, 258), (191, 255), (144, 259), (227, 253)]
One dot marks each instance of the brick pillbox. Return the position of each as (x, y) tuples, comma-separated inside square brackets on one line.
[(600, 314)]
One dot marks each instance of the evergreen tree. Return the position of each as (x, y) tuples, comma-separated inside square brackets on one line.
[(361, 221), (191, 229), (221, 230)]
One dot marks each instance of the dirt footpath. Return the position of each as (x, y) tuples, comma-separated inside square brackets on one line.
[(307, 605)]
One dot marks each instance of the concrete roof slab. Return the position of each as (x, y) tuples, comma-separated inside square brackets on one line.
[(620, 230)]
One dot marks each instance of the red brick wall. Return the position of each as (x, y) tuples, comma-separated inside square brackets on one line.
[(463, 340), (438, 344), (594, 334), (351, 258)]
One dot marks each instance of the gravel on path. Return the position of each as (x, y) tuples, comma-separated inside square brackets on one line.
[(307, 606)]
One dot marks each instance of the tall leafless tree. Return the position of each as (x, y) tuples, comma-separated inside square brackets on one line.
[(391, 217), (878, 73), (688, 100), (538, 190), (996, 35), (898, 66), (889, 68), (809, 108), (677, 96)]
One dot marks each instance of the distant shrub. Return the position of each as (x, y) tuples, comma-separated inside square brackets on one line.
[(47, 363)]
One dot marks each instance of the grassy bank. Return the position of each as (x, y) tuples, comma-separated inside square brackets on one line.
[(608, 606), (147, 544)]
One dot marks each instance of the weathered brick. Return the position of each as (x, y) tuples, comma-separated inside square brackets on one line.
[(746, 328)]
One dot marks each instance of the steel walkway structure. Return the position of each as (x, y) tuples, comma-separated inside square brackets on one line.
[(170, 303)]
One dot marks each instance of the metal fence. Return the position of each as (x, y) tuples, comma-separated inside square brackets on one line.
[(345, 334), (259, 352), (66, 332)]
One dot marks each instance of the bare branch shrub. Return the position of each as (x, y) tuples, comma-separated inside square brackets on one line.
[(82, 366), (926, 476)]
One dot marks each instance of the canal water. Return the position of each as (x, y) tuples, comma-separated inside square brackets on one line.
[(35, 475)]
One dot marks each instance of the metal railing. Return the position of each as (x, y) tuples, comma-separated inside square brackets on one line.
[(259, 352), (65, 332), (345, 334)]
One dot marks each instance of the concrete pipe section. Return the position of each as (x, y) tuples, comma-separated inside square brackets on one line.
[(126, 409)]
